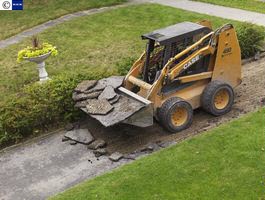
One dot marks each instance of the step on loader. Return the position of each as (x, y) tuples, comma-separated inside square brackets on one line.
[(185, 66)]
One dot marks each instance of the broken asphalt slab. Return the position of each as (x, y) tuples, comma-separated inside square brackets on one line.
[(98, 107), (123, 109), (100, 152), (102, 107), (115, 157), (108, 93), (113, 81), (82, 136), (99, 143), (83, 96), (85, 85)]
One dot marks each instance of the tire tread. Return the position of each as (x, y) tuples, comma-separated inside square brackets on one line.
[(209, 91), (163, 113)]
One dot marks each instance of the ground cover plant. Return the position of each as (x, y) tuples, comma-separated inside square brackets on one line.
[(37, 49), (227, 162), (104, 44), (252, 5), (39, 11)]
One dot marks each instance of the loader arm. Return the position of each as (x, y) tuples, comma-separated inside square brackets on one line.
[(137, 68), (175, 71), (215, 44), (170, 73), (223, 59)]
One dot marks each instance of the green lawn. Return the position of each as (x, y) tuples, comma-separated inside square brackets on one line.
[(225, 163), (39, 11), (93, 43), (252, 5)]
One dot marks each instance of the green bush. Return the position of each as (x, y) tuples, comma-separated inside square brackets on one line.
[(40, 105), (251, 39)]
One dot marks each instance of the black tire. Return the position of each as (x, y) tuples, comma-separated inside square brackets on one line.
[(168, 108), (210, 93)]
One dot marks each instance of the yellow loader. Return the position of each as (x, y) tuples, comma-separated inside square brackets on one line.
[(185, 66)]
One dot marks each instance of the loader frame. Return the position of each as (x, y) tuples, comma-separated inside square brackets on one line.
[(225, 65)]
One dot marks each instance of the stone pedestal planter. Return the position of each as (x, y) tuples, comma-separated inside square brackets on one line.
[(40, 61)]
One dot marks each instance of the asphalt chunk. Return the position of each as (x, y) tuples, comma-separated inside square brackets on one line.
[(82, 136), (108, 93), (123, 109), (115, 157), (85, 85), (100, 86), (99, 143), (98, 107), (83, 96), (113, 81), (100, 152)]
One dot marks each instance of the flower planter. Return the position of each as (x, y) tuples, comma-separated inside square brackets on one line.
[(40, 61), (38, 53)]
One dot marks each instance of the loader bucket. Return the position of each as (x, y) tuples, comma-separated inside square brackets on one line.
[(130, 109)]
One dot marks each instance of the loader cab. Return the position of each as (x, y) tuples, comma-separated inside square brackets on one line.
[(166, 43)]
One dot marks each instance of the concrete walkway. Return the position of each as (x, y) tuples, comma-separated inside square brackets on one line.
[(204, 8), (215, 10), (42, 27)]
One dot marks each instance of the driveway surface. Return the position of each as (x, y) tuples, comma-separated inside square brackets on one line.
[(215, 10), (47, 166)]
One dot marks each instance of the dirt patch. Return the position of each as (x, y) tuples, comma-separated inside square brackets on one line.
[(248, 97)]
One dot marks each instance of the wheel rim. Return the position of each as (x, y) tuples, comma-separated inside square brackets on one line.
[(179, 116), (221, 99)]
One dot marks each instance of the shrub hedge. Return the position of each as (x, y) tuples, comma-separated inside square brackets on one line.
[(40, 105), (251, 39)]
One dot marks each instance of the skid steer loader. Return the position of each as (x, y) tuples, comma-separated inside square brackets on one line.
[(184, 67)]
